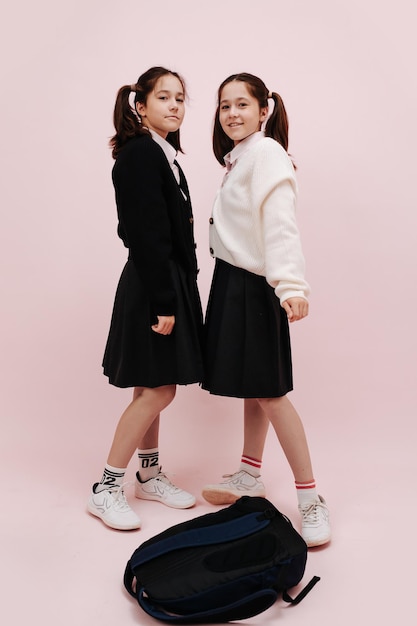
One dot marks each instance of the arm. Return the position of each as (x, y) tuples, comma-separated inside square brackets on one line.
[(144, 220), (275, 193)]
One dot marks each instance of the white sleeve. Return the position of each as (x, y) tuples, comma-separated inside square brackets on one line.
[(274, 191)]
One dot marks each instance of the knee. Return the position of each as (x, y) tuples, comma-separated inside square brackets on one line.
[(267, 403), (166, 395)]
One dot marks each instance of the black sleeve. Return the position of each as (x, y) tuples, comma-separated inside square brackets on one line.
[(144, 223)]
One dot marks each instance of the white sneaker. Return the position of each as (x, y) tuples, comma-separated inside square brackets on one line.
[(111, 506), (161, 489), (315, 525), (237, 485)]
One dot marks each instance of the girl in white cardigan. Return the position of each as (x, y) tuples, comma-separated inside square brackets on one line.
[(258, 287)]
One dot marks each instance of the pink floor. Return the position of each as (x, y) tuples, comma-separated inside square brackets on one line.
[(345, 70), (61, 566)]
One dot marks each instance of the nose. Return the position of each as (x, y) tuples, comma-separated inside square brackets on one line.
[(174, 104), (233, 112)]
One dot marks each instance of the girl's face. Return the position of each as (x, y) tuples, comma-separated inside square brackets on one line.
[(239, 112), (164, 108)]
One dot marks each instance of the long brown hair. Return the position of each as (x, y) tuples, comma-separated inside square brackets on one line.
[(126, 120), (276, 126)]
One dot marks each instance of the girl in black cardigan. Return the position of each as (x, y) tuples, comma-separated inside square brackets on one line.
[(155, 332)]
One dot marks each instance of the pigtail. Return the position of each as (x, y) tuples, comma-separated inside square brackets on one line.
[(277, 124), (222, 144), (125, 120)]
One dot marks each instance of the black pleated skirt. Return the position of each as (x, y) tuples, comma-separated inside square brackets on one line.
[(247, 339), (136, 356)]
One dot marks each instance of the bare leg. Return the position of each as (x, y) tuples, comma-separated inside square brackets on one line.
[(315, 527), (245, 481), (151, 437), (290, 432), (136, 421), (256, 424)]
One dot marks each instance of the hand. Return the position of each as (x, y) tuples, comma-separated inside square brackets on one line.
[(165, 324), (296, 308)]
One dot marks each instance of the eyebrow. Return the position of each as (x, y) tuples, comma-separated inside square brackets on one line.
[(179, 93), (240, 98)]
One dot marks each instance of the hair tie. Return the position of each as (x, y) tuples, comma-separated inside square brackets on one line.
[(133, 87), (270, 95)]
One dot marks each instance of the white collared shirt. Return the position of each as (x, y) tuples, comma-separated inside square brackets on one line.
[(169, 152), (231, 157)]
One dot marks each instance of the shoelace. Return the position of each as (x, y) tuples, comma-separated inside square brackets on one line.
[(231, 477), (310, 513), (120, 502), (164, 479)]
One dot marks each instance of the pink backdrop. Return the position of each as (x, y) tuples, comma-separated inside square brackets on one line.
[(346, 72)]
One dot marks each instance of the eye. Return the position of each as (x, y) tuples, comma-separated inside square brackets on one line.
[(243, 104), (180, 99), (224, 107), (162, 98)]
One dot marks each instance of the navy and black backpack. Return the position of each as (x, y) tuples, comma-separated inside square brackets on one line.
[(222, 566)]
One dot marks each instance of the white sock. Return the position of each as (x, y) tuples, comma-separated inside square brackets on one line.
[(112, 478), (148, 463), (250, 465), (306, 492)]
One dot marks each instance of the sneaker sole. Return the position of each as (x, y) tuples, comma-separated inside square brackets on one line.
[(219, 496), (317, 542), (115, 526)]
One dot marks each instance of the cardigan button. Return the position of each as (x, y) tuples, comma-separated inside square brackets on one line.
[(211, 251), (211, 221)]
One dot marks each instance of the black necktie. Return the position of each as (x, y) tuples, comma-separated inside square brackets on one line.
[(183, 182)]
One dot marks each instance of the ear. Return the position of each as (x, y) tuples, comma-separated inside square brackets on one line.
[(140, 108), (263, 114)]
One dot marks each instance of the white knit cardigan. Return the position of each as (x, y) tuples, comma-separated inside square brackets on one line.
[(253, 223)]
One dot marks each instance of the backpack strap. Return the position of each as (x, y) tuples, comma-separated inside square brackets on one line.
[(246, 607), (303, 592), (208, 535), (128, 579)]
